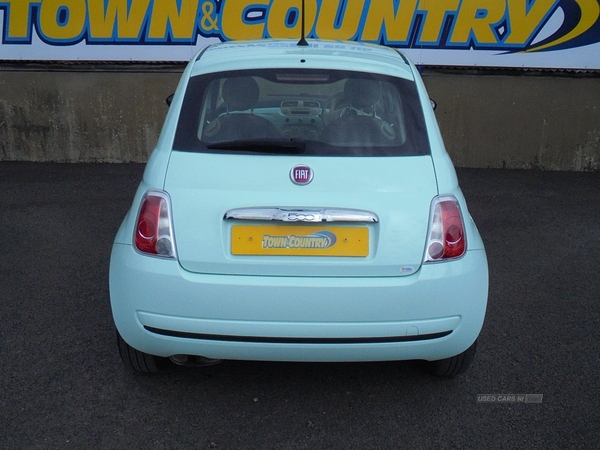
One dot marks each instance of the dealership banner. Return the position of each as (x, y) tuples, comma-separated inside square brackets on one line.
[(558, 34)]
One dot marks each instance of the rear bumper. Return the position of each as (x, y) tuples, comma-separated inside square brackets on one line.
[(161, 309)]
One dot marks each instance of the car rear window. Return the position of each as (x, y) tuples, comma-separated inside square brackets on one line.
[(313, 112)]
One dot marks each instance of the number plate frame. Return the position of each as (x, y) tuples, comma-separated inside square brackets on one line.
[(299, 240)]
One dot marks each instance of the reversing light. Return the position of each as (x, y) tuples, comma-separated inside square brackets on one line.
[(446, 239), (154, 227)]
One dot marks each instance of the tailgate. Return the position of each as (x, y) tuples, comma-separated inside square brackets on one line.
[(242, 214)]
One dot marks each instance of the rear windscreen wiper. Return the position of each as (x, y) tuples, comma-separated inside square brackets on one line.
[(287, 146)]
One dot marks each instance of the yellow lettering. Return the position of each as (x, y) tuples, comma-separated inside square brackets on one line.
[(128, 22), (62, 20), (435, 15), (19, 20), (233, 19), (382, 20), (279, 15), (349, 19), (183, 22), (522, 23), (476, 19)]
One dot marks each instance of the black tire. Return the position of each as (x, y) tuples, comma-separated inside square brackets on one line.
[(455, 365), (135, 360)]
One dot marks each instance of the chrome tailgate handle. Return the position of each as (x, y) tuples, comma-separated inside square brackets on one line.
[(302, 215)]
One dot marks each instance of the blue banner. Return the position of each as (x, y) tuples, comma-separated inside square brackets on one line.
[(505, 33)]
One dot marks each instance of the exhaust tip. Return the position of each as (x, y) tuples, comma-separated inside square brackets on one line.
[(194, 360)]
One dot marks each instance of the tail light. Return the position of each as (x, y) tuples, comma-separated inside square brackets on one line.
[(446, 238), (154, 227)]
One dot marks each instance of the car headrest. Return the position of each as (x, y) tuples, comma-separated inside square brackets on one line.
[(362, 93), (240, 93)]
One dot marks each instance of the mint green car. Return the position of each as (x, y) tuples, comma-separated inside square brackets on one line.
[(299, 206)]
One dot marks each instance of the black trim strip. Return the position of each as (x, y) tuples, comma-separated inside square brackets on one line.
[(297, 340)]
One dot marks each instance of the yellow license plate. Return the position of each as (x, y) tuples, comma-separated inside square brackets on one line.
[(299, 240)]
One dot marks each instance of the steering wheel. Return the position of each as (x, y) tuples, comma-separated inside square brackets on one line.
[(334, 106)]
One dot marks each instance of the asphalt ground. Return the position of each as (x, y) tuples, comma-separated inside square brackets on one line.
[(63, 384)]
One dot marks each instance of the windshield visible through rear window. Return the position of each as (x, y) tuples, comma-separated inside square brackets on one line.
[(319, 113)]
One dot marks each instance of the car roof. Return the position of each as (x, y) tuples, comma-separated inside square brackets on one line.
[(318, 54)]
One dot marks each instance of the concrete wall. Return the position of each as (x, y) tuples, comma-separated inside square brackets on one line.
[(82, 116), (519, 121), (114, 114)]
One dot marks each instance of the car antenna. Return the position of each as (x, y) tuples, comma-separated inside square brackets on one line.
[(302, 42)]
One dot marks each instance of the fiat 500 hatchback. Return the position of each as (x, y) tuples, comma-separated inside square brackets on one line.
[(299, 206)]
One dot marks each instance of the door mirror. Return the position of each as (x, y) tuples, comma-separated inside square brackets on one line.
[(169, 99)]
